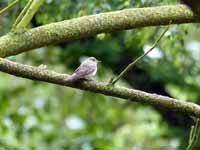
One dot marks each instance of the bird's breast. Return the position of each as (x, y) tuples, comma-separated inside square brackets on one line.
[(93, 72)]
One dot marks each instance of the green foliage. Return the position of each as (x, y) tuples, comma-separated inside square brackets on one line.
[(39, 116)]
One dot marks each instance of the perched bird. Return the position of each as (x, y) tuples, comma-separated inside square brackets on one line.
[(86, 69)]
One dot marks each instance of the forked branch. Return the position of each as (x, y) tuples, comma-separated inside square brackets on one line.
[(37, 73)]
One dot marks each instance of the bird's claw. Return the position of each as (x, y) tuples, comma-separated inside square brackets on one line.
[(42, 67), (85, 79)]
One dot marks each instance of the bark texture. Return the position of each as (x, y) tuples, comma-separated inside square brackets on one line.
[(37, 73), (24, 40)]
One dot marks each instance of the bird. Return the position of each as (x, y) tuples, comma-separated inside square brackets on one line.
[(87, 68)]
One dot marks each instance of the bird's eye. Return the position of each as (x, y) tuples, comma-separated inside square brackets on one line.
[(92, 59)]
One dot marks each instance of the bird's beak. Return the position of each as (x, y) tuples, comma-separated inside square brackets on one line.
[(98, 61)]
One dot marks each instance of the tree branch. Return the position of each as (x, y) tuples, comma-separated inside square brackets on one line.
[(22, 13), (131, 65), (194, 134), (37, 73), (8, 7), (32, 8), (15, 43)]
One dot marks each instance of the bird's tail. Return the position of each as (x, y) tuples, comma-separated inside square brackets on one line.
[(72, 78)]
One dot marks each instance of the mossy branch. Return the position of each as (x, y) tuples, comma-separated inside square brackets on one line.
[(40, 74), (15, 43)]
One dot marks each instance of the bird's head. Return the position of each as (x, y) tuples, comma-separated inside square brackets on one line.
[(92, 60)]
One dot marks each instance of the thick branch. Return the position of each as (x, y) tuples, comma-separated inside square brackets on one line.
[(37, 73), (15, 43)]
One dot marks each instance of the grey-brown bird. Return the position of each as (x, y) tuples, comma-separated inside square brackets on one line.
[(87, 68)]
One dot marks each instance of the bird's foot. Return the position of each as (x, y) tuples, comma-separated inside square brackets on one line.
[(110, 82), (85, 79), (42, 67)]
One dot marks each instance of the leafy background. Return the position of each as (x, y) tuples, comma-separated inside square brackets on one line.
[(40, 116)]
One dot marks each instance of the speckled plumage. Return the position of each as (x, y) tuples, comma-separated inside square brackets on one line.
[(87, 69)]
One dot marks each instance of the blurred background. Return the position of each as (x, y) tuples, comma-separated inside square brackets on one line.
[(41, 116)]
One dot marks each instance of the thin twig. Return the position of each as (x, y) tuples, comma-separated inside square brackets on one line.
[(194, 134), (130, 66), (191, 133), (22, 13), (8, 7), (31, 10)]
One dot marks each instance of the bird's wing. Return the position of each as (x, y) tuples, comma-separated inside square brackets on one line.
[(84, 70)]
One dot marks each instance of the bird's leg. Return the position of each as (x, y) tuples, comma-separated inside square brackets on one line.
[(42, 67), (85, 79)]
